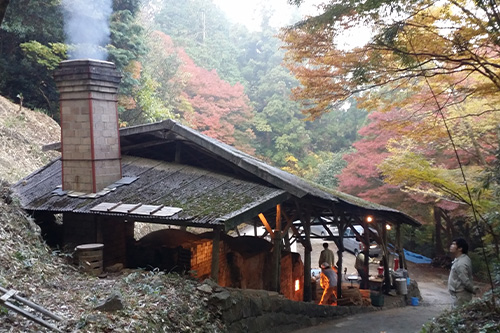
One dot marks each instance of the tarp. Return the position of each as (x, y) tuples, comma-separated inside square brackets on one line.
[(412, 256), (416, 258)]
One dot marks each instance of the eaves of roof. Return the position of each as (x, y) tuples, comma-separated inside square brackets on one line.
[(286, 182), (206, 198)]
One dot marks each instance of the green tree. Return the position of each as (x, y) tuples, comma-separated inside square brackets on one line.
[(126, 48), (204, 32), (3, 8), (326, 173), (38, 28)]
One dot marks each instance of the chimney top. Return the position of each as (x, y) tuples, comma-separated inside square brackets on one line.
[(90, 139)]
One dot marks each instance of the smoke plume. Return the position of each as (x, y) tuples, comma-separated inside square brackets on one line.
[(86, 26)]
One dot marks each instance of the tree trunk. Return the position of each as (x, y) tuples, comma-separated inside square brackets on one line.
[(3, 9), (438, 245), (450, 229)]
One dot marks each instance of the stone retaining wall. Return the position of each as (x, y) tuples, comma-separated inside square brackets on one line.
[(257, 311)]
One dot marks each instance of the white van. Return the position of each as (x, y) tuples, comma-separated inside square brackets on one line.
[(317, 228), (352, 244)]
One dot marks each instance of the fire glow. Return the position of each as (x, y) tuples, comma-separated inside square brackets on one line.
[(297, 285)]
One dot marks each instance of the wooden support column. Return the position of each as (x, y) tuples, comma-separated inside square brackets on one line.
[(366, 251), (398, 243), (276, 276), (342, 226), (286, 238), (276, 260), (215, 255), (385, 253), (400, 250), (307, 259)]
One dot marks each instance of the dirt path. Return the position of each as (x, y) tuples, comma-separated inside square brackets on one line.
[(432, 283), (435, 300)]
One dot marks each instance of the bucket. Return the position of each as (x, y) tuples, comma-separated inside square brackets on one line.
[(414, 301), (377, 299), (380, 271), (90, 258), (401, 286)]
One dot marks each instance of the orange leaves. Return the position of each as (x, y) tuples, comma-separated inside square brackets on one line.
[(438, 47)]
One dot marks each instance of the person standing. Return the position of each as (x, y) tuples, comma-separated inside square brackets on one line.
[(460, 283), (359, 264), (326, 256), (328, 281)]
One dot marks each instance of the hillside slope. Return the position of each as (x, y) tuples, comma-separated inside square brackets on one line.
[(153, 301), (23, 132)]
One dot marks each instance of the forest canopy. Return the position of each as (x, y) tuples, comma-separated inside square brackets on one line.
[(429, 75)]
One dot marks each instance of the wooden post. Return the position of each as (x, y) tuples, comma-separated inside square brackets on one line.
[(385, 253), (277, 252), (307, 260), (215, 255), (366, 251), (340, 254), (276, 261), (401, 251), (286, 238), (398, 244)]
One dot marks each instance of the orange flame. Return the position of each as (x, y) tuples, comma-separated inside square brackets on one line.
[(297, 285)]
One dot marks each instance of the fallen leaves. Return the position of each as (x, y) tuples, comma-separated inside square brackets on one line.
[(153, 301)]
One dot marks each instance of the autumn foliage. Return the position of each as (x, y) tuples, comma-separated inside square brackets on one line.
[(430, 75)]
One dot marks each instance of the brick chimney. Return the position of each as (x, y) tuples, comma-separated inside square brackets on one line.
[(90, 139)]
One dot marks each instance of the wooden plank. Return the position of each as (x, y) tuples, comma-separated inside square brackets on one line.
[(8, 295), (134, 208), (90, 256), (30, 316), (266, 224), (278, 218), (33, 305), (156, 209)]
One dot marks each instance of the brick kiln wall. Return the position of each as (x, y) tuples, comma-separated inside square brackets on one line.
[(201, 259), (247, 270), (292, 269)]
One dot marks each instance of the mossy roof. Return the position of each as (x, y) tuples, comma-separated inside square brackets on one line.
[(212, 182)]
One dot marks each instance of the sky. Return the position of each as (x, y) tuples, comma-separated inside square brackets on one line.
[(248, 11)]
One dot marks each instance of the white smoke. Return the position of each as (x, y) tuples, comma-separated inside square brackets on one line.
[(86, 25)]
